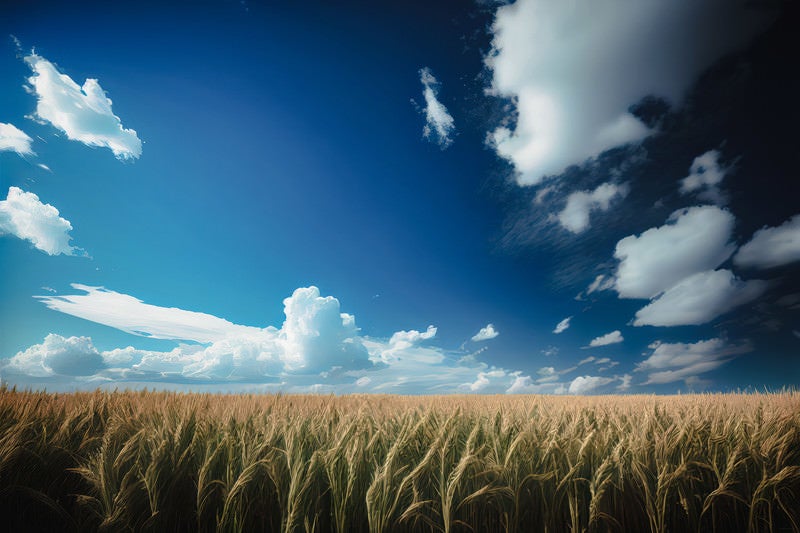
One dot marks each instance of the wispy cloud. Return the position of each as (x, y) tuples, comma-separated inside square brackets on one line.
[(13, 139), (23, 215), (705, 176), (562, 326), (575, 215), (439, 124), (670, 362), (83, 113)]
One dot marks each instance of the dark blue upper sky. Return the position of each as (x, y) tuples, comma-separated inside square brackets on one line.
[(267, 196)]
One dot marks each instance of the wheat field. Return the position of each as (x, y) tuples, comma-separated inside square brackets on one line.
[(158, 461)]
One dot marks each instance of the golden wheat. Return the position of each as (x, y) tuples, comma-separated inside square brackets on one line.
[(159, 461)]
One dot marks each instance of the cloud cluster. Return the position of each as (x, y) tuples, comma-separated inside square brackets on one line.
[(485, 333), (83, 113), (674, 266), (439, 124), (684, 362), (13, 139), (573, 71), (693, 240), (575, 215), (772, 247), (23, 215), (318, 348)]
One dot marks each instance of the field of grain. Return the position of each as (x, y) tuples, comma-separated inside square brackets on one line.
[(153, 461)]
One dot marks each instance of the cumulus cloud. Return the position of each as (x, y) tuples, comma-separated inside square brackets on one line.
[(693, 240), (681, 361), (73, 356), (772, 247), (83, 113), (13, 139), (486, 333), (439, 124), (615, 337), (318, 348), (562, 326), (704, 177), (588, 384), (573, 71), (575, 215), (699, 299), (23, 215)]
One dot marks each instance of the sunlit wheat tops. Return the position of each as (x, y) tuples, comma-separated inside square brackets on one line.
[(149, 461)]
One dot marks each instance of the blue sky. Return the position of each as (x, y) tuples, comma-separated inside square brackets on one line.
[(481, 198)]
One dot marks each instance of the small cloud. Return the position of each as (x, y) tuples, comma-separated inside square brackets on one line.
[(23, 215), (49, 289), (601, 283), (704, 178), (625, 382), (614, 337), (562, 326), (44, 167), (587, 384), (683, 362), (575, 215), (13, 139), (439, 124), (586, 360), (485, 334), (550, 351), (772, 247), (83, 113)]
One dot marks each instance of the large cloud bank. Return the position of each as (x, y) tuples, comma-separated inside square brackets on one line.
[(318, 348)]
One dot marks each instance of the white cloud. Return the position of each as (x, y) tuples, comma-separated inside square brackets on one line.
[(486, 333), (588, 384), (601, 283), (586, 360), (13, 139), (705, 175), (73, 356), (439, 124), (614, 337), (575, 69), (772, 247), (318, 348), (575, 215), (526, 385), (562, 326), (131, 315), (625, 382), (698, 299), (694, 240), (23, 215), (83, 113), (679, 361)]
